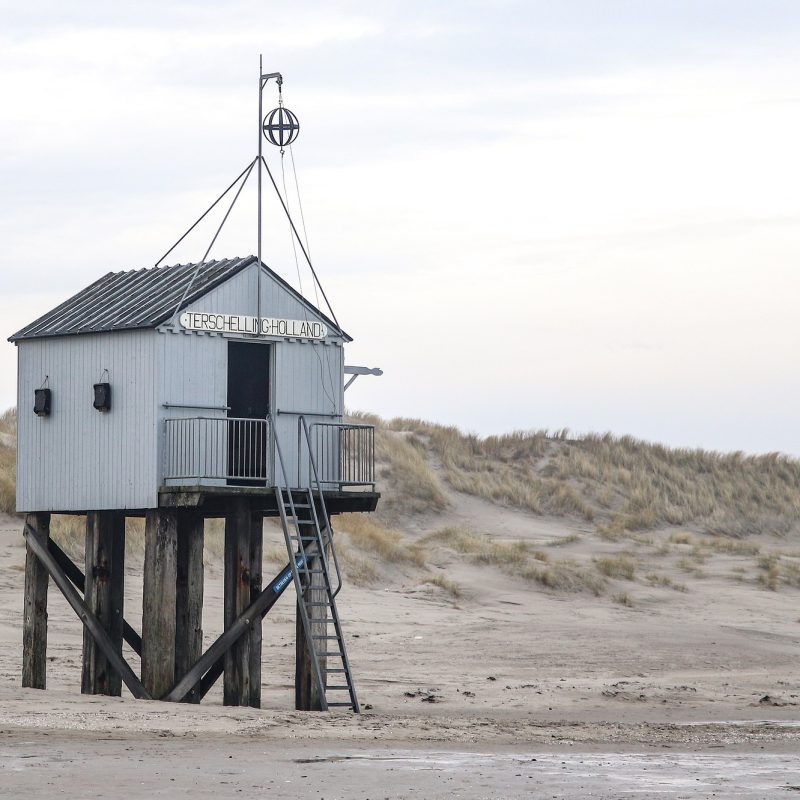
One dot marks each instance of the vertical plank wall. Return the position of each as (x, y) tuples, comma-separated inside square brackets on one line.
[(79, 458)]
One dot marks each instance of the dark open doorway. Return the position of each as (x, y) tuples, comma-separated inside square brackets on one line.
[(248, 402)]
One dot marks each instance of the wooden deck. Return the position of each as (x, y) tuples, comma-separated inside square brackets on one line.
[(211, 501)]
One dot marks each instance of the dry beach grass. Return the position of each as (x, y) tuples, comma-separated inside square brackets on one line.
[(616, 481), (615, 489)]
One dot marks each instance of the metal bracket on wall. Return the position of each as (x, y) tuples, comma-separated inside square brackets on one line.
[(356, 371)]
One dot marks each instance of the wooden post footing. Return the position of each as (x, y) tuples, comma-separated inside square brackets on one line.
[(104, 597), (159, 605), (243, 551), (34, 622), (189, 595)]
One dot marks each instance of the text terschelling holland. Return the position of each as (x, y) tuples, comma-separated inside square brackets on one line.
[(240, 323)]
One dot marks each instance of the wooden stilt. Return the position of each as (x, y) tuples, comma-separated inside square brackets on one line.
[(75, 600), (238, 524), (34, 624), (77, 579), (159, 607), (103, 595), (189, 600), (256, 559), (306, 691), (204, 674)]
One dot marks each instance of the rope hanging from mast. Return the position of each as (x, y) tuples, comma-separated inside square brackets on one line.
[(208, 249), (281, 128), (300, 242)]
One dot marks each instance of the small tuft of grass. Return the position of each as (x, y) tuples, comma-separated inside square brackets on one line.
[(620, 566), (368, 535), (612, 532), (562, 541), (734, 547), (624, 599), (564, 576), (444, 583), (687, 565), (654, 579), (770, 576)]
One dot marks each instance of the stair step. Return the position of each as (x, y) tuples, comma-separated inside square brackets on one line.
[(320, 636), (344, 688), (349, 705), (338, 669)]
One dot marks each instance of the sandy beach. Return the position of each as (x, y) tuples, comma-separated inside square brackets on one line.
[(503, 691)]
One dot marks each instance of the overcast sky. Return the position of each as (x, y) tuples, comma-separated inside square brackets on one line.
[(529, 214)]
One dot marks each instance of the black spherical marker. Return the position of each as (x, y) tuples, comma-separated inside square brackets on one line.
[(281, 127)]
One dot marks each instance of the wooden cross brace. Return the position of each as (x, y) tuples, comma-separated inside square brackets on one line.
[(208, 668), (42, 552)]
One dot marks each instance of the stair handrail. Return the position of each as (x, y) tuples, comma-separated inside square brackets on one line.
[(295, 572), (302, 426)]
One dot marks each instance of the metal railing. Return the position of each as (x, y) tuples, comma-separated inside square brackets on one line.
[(218, 448), (344, 453)]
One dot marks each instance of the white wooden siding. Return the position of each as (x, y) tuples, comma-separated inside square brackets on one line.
[(79, 458)]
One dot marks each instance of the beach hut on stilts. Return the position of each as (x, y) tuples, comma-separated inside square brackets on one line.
[(180, 394)]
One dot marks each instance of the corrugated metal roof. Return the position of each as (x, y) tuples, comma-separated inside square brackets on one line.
[(143, 298)]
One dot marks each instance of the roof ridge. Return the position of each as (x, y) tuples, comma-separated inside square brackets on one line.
[(210, 262)]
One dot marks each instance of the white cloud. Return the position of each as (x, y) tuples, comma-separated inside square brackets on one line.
[(598, 245)]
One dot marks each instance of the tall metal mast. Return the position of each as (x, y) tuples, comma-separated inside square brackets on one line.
[(260, 117), (262, 82)]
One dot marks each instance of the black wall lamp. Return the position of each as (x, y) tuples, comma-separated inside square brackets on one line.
[(42, 398), (102, 393)]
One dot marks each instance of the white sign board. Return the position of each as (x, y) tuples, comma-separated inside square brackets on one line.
[(239, 323)]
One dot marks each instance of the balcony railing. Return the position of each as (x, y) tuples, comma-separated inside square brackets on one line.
[(237, 451), (344, 453), (218, 449)]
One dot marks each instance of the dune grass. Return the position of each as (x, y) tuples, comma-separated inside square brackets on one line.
[(445, 584), (369, 535), (776, 570), (656, 579), (499, 468), (619, 482), (624, 599), (410, 485), (518, 559), (8, 461), (620, 566)]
